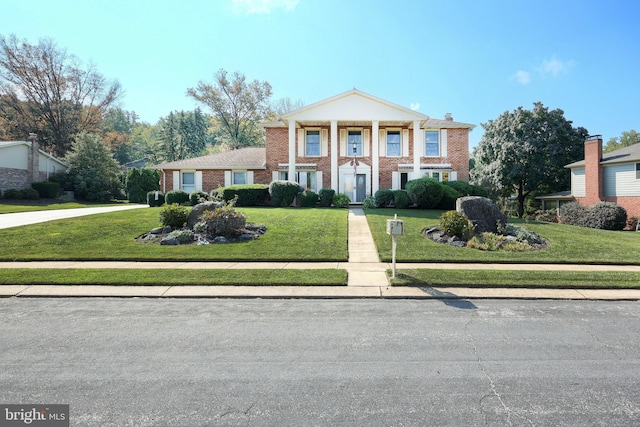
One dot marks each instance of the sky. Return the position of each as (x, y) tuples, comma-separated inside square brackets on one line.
[(473, 59)]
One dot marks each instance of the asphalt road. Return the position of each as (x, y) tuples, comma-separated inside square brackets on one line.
[(207, 362)]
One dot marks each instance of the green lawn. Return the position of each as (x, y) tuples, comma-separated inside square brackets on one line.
[(568, 244), (178, 277), (13, 206), (292, 235)]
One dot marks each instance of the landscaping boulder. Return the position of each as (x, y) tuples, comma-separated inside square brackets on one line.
[(198, 209), (482, 212)]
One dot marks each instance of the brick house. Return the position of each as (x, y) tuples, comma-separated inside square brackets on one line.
[(353, 143), (23, 162)]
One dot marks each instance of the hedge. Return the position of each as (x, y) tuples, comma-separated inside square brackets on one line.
[(248, 194)]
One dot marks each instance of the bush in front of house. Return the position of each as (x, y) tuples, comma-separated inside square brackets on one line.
[(369, 203), (449, 197), (173, 215), (152, 201), (29, 194), (12, 193), (426, 193), (341, 200), (326, 197), (248, 194), (139, 182), (46, 189), (383, 198), (176, 196), (549, 215), (606, 216), (283, 193), (308, 199), (573, 213), (401, 199), (453, 223), (198, 197)]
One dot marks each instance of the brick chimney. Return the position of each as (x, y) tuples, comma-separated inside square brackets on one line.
[(448, 117), (34, 159), (593, 170)]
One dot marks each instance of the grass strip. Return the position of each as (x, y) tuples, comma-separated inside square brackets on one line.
[(182, 277), (15, 206), (518, 279)]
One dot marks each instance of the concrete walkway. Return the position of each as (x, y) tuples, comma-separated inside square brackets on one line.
[(367, 275)]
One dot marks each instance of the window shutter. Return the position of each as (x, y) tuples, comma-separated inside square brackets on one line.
[(301, 141), (198, 178), (343, 143), (405, 143), (453, 176), (443, 143), (227, 178), (249, 177), (324, 142), (275, 176), (395, 180), (176, 180), (318, 180), (382, 142), (366, 142)]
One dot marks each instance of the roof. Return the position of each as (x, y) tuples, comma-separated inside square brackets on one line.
[(4, 144), (561, 195), (242, 158), (623, 155), (357, 107)]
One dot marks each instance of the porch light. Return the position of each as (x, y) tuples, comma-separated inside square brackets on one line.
[(354, 148)]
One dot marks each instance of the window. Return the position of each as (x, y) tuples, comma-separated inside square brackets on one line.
[(313, 143), (283, 176), (189, 181), (239, 178), (404, 178), (445, 176), (393, 143), (308, 180), (637, 170), (354, 140), (435, 175), (432, 143)]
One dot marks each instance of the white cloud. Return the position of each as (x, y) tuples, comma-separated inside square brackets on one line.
[(262, 6), (522, 77), (554, 67), (415, 106)]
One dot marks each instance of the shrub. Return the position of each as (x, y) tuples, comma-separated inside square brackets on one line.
[(29, 194), (401, 199), (449, 197), (182, 236), (546, 215), (573, 213), (222, 221), (46, 189), (151, 198), (383, 198), (341, 200), (139, 182), (247, 194), (454, 223), (326, 197), (176, 196), (606, 216), (283, 193), (632, 223), (426, 193), (464, 188), (12, 193), (486, 242), (198, 197), (308, 199), (173, 215), (369, 203)]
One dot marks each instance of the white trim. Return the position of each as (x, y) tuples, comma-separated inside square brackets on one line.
[(198, 180), (176, 180), (443, 143)]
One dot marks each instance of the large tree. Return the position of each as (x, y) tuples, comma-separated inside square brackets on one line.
[(526, 150), (626, 139), (238, 107), (183, 135), (44, 89)]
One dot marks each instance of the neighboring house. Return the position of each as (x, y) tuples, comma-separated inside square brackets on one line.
[(137, 164), (610, 177), (22, 162), (353, 143)]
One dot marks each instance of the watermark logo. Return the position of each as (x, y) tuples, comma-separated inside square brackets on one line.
[(34, 415)]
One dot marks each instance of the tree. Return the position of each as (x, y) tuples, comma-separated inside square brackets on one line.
[(524, 150), (184, 135), (94, 173), (44, 89), (285, 105), (626, 139), (238, 107)]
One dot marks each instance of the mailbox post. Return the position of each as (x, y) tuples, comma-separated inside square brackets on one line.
[(395, 228)]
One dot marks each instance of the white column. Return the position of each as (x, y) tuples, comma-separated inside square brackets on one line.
[(292, 150), (417, 148), (375, 156), (334, 155)]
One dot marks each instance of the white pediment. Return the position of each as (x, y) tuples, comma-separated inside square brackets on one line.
[(354, 105)]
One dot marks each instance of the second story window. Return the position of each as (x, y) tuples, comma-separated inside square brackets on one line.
[(354, 143), (312, 143), (432, 143), (393, 143)]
